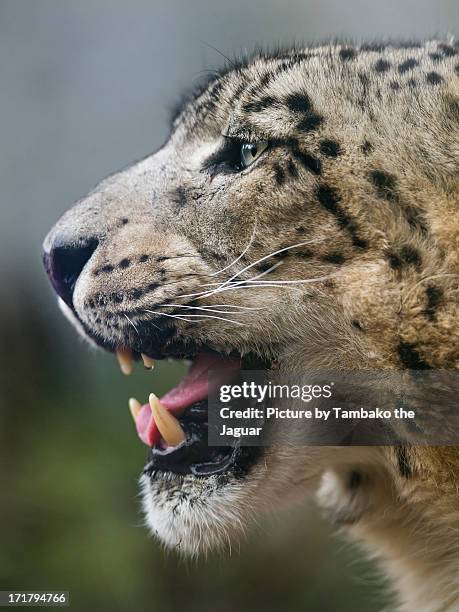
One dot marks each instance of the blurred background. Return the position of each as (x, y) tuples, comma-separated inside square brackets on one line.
[(85, 87)]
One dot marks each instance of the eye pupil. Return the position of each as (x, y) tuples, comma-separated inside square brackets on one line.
[(250, 151)]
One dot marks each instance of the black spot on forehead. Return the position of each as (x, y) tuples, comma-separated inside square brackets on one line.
[(310, 122), (347, 53), (257, 106), (299, 103), (330, 148), (382, 65), (408, 64), (406, 255), (433, 78), (385, 184), (394, 85)]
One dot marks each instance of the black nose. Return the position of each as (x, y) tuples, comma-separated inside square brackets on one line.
[(64, 264)]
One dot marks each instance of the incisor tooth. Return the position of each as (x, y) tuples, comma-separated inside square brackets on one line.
[(125, 360), (135, 407), (169, 427), (148, 362)]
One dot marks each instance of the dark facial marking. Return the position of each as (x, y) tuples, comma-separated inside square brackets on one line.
[(408, 64), (385, 184), (404, 466), (330, 148), (433, 78), (412, 83), (125, 263), (355, 479), (334, 258), (366, 147), (410, 358), (435, 57), (456, 69), (279, 174), (406, 255), (310, 123), (299, 103), (144, 258), (434, 297), (382, 65), (291, 168), (308, 161), (329, 199), (356, 324), (347, 54), (124, 221), (259, 105), (394, 85)]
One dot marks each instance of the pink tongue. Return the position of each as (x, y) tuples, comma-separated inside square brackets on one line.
[(193, 388)]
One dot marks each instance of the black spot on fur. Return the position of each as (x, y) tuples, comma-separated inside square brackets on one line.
[(433, 78), (382, 65), (330, 148), (434, 297), (412, 83), (125, 263), (408, 64), (435, 57), (356, 324), (279, 174), (334, 258), (144, 258), (259, 105), (447, 50), (355, 479), (366, 147), (310, 123), (291, 168), (107, 268), (385, 184), (152, 287), (394, 85), (300, 229), (404, 466), (124, 221), (136, 294), (308, 161), (406, 255), (329, 199), (410, 358), (299, 103), (179, 197), (347, 54), (457, 69)]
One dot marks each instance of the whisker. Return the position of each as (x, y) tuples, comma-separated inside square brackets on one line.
[(241, 255), (209, 308), (164, 314), (131, 323), (293, 246)]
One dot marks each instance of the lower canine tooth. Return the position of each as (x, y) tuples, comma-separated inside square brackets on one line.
[(148, 362), (169, 427), (125, 360), (135, 407)]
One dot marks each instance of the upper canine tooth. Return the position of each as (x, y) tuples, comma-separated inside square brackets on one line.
[(148, 362), (125, 360), (135, 407), (169, 427)]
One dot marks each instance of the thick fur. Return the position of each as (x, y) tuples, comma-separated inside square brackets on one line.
[(363, 166)]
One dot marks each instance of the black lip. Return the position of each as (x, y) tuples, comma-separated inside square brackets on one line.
[(194, 456)]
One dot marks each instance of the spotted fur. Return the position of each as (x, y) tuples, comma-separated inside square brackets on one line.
[(361, 173)]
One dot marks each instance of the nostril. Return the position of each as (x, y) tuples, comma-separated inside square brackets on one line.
[(64, 264)]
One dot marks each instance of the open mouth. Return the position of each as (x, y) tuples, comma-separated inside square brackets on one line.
[(175, 425)]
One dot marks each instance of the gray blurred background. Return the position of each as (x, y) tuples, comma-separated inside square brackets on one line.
[(85, 88)]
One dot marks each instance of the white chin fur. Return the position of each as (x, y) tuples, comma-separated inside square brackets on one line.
[(195, 515)]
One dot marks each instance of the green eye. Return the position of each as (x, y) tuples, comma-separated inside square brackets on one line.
[(251, 151)]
